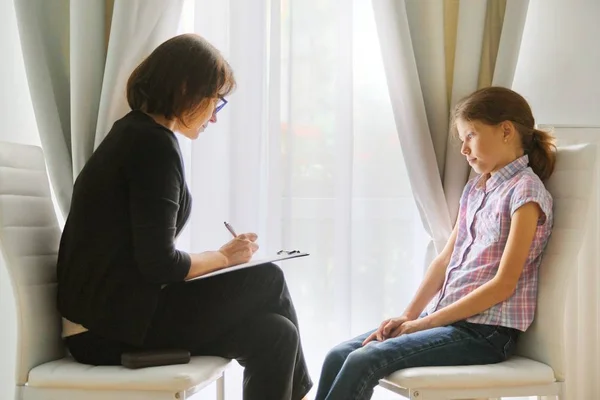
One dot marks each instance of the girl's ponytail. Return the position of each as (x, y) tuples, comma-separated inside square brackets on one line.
[(541, 149)]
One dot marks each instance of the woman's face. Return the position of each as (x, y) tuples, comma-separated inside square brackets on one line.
[(197, 122)]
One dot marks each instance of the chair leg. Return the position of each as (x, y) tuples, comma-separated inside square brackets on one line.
[(221, 387)]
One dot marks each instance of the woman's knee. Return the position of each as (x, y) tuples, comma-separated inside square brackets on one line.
[(280, 331), (88, 348), (270, 271)]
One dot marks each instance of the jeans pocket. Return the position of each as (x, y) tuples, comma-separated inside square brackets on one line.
[(503, 343), (477, 330), (509, 347)]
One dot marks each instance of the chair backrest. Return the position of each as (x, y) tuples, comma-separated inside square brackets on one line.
[(29, 239), (571, 187)]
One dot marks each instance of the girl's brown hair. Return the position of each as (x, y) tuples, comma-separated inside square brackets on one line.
[(179, 77), (494, 105)]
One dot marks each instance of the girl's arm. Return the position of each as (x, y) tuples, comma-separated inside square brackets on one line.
[(522, 231), (431, 284), (434, 278)]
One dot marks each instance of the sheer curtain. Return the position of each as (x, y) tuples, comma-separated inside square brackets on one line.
[(76, 79), (306, 154)]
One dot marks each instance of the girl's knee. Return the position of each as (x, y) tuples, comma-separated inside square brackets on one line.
[(361, 359), (338, 354)]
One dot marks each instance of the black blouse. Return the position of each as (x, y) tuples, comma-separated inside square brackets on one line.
[(129, 203)]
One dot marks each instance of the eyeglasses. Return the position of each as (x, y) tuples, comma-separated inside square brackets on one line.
[(222, 102)]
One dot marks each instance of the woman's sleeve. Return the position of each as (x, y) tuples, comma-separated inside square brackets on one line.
[(155, 178)]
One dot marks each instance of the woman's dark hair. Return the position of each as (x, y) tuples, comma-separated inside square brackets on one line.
[(494, 105), (178, 77)]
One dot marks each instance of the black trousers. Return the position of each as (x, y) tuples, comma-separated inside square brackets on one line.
[(246, 315)]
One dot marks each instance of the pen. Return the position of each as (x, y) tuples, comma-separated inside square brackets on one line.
[(230, 229)]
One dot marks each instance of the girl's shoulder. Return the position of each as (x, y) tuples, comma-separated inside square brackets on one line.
[(527, 181), (526, 187)]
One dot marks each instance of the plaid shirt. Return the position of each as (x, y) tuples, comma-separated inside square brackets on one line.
[(483, 225)]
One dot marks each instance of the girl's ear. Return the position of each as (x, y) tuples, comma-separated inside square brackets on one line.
[(508, 130)]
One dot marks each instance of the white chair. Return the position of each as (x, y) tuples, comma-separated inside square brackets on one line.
[(538, 369), (29, 238)]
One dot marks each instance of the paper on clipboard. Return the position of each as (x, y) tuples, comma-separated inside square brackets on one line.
[(284, 255)]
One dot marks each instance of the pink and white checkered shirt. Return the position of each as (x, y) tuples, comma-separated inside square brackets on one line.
[(483, 225)]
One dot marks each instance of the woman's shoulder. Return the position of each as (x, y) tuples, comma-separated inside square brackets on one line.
[(144, 137), (139, 124), (136, 143)]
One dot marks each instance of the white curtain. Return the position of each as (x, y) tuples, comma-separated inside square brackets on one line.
[(436, 52), (137, 27), (77, 86), (44, 34), (306, 154)]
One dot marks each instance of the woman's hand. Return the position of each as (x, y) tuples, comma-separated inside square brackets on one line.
[(240, 249), (387, 328)]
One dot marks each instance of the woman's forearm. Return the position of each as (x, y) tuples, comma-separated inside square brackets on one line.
[(206, 262)]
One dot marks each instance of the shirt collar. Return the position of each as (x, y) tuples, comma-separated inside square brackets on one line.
[(507, 172)]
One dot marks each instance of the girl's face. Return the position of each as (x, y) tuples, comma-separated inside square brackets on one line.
[(488, 148)]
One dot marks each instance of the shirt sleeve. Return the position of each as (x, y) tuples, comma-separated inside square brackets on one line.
[(155, 178), (532, 191)]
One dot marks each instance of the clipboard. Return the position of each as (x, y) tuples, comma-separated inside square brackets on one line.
[(280, 256)]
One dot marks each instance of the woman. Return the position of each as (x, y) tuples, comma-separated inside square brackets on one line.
[(121, 281)]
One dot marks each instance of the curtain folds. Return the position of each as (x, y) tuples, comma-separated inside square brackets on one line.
[(436, 52), (77, 69)]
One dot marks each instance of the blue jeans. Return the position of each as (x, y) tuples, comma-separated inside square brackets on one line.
[(351, 371)]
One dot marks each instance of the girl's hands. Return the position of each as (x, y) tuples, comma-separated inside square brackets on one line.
[(386, 328), (394, 327)]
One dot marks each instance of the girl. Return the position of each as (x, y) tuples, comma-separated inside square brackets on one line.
[(121, 281), (485, 279)]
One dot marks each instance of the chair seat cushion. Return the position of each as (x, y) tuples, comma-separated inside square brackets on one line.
[(517, 371), (67, 373)]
